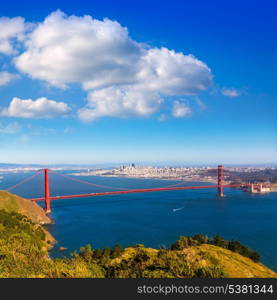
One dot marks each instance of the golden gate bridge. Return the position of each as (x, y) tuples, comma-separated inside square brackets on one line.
[(47, 198)]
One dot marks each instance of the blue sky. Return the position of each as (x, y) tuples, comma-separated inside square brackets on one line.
[(138, 81)]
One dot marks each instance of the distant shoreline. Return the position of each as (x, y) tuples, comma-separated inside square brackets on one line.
[(149, 177)]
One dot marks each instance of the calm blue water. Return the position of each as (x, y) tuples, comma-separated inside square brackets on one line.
[(157, 218)]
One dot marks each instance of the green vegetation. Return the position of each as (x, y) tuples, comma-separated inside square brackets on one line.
[(23, 253), (199, 239), (23, 245)]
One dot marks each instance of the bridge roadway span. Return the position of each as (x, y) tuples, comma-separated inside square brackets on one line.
[(132, 191)]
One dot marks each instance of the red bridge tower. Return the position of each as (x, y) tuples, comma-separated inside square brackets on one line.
[(47, 200), (220, 180)]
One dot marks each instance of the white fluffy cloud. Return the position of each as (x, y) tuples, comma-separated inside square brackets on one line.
[(41, 108), (123, 77), (230, 92), (64, 50), (10, 30), (172, 73), (99, 54), (180, 109), (120, 102), (6, 77)]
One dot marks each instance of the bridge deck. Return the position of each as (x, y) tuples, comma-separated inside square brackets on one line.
[(131, 191)]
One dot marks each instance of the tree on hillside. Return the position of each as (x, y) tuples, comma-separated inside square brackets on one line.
[(116, 251)]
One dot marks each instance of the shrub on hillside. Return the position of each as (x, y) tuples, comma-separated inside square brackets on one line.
[(199, 239)]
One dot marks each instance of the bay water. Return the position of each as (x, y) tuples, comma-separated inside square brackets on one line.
[(155, 219)]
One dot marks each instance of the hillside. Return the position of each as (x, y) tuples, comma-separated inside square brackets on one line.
[(196, 261), (233, 264), (24, 246), (23, 254), (14, 203)]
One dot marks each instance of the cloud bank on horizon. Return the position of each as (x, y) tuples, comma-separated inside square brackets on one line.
[(122, 77)]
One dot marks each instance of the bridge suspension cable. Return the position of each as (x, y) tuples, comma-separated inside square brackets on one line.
[(103, 186), (87, 182), (24, 181), (176, 184)]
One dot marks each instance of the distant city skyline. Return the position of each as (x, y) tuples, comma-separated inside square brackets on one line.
[(177, 82), (165, 164)]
